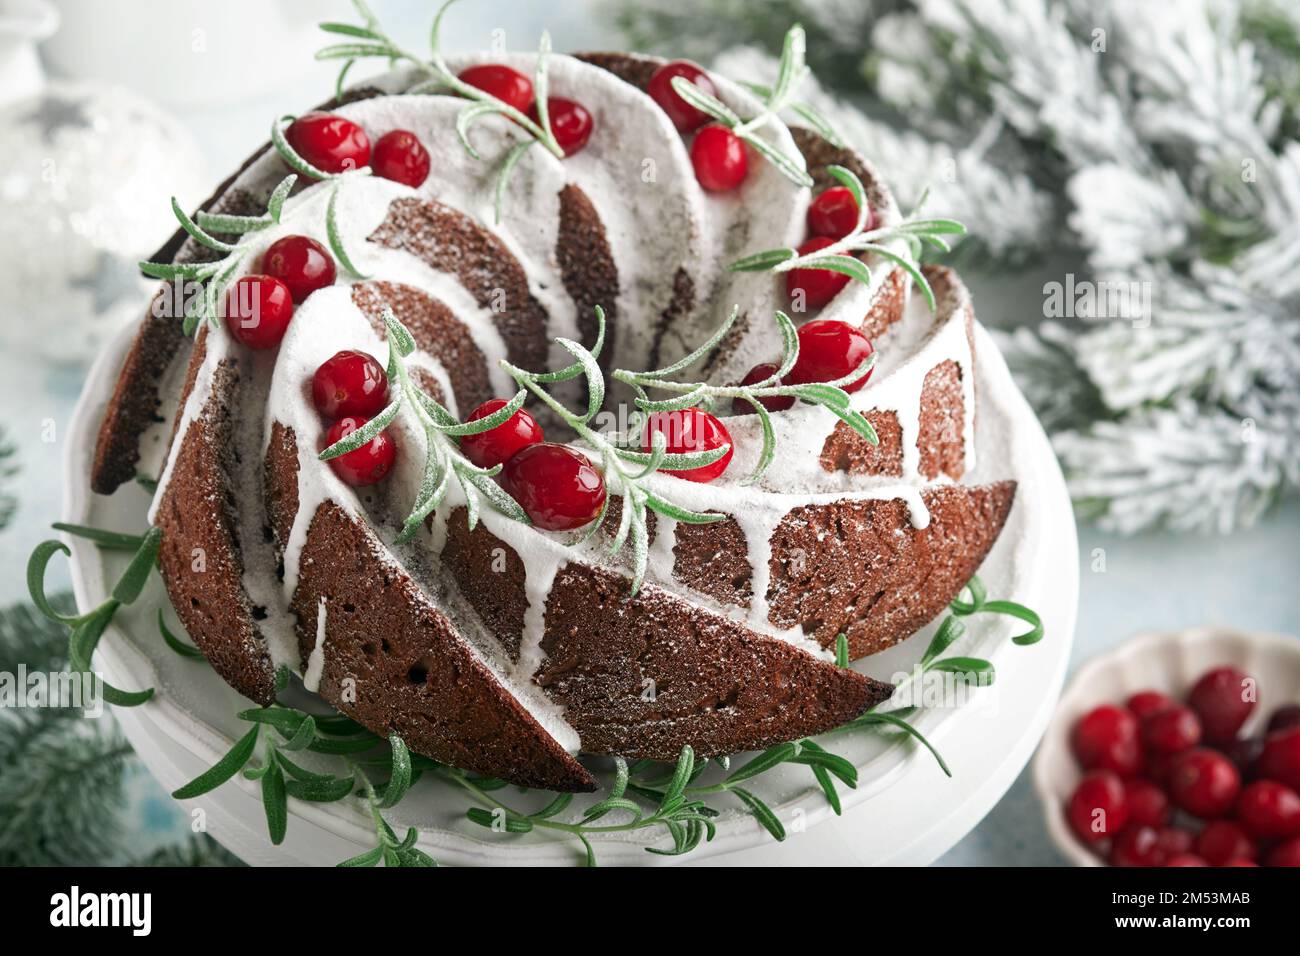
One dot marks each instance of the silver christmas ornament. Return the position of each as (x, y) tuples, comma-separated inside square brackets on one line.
[(86, 178)]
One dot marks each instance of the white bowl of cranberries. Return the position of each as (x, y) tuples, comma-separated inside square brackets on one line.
[(1178, 749)]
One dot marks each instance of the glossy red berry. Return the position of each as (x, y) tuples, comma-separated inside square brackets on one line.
[(685, 117), (1146, 702), (258, 309), (349, 383), (1185, 859), (775, 403), (497, 446), (1203, 782), (1224, 840), (400, 156), (686, 431), (1137, 846), (1280, 758), (329, 142), (1171, 730), (559, 488), (830, 350), (1284, 854), (813, 288), (301, 263), (570, 122), (1269, 810), (508, 85), (719, 158), (362, 466), (834, 213), (1223, 698), (1147, 803), (1098, 807)]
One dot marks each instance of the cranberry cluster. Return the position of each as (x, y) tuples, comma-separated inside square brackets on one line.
[(1156, 767), (570, 123), (559, 488), (717, 154), (259, 307), (349, 389), (334, 144)]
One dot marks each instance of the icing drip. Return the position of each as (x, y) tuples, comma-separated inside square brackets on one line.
[(316, 662)]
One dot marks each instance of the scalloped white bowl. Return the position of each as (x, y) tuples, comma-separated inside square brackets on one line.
[(1167, 661)]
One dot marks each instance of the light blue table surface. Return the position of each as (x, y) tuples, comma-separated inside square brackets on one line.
[(1155, 581)]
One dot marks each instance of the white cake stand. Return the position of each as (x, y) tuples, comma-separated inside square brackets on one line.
[(904, 811)]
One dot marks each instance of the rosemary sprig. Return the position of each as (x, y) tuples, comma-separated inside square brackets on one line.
[(687, 821), (369, 41), (216, 275), (441, 429), (980, 604), (85, 630), (829, 395), (282, 731), (790, 73), (838, 256), (625, 468)]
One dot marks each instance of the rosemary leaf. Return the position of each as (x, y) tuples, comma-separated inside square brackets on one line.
[(222, 770)]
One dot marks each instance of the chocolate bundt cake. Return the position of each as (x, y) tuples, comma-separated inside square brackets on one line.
[(491, 643)]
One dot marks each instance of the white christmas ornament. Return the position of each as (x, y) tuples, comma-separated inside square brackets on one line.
[(85, 181)]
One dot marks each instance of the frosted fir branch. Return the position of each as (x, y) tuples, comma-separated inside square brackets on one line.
[(1043, 364), (1178, 468)]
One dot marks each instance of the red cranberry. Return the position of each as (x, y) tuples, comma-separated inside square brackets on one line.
[(329, 142), (719, 158), (498, 445), (258, 310), (1238, 863), (1137, 846), (1171, 730), (1280, 758), (685, 117), (775, 403), (834, 213), (1098, 807), (570, 122), (1284, 718), (1204, 782), (301, 263), (1107, 738), (1269, 810), (690, 430), (559, 488), (365, 465), (1147, 803), (1223, 698), (1284, 854), (1146, 702), (401, 157), (1175, 840), (813, 288), (829, 350), (349, 383), (1185, 859), (1224, 840), (509, 86)]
